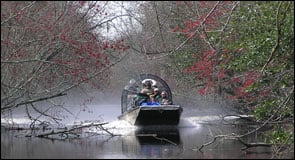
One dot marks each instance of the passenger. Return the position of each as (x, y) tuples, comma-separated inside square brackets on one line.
[(147, 88), (164, 100), (143, 96), (152, 101), (157, 94)]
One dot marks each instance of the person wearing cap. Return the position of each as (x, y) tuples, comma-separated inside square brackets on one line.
[(144, 94), (156, 94), (164, 100), (147, 88)]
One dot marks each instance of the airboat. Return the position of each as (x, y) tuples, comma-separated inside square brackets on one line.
[(143, 115)]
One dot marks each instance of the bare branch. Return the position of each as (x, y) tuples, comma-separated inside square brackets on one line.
[(238, 137), (278, 38), (194, 33), (20, 12), (72, 130), (9, 107)]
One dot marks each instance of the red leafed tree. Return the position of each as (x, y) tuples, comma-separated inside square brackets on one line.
[(206, 27), (50, 47)]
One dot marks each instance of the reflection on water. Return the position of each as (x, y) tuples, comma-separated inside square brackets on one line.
[(158, 136), (153, 142), (161, 142)]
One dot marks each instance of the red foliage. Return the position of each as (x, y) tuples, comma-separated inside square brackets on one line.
[(175, 29), (59, 35), (202, 91), (241, 85), (212, 16), (206, 67), (221, 74)]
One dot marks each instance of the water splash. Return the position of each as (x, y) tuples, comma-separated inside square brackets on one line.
[(15, 121)]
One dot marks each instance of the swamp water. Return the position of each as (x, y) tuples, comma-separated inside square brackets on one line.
[(180, 142)]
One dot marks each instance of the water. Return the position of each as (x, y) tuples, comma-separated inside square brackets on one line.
[(181, 142)]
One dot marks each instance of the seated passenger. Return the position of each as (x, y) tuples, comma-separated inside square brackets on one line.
[(164, 100), (144, 94), (150, 102), (156, 94), (147, 88), (141, 98)]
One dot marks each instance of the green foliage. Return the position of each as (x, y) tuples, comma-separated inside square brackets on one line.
[(264, 109), (264, 33), (274, 107), (257, 54), (281, 136), (253, 26)]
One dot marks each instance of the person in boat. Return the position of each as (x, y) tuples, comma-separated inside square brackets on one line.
[(165, 100), (151, 102), (147, 88), (144, 95), (157, 94)]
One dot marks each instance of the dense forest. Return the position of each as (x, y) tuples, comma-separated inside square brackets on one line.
[(238, 51)]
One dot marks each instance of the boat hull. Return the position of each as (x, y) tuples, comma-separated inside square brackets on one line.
[(153, 115)]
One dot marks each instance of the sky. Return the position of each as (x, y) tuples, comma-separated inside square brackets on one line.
[(121, 14)]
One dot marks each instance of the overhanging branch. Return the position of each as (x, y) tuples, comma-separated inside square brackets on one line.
[(31, 101)]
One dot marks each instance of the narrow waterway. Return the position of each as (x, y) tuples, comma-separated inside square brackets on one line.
[(196, 127)]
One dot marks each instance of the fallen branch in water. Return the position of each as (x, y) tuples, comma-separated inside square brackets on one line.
[(212, 141), (249, 145), (236, 137), (73, 131)]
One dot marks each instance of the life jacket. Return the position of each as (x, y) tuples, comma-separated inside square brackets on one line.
[(150, 104)]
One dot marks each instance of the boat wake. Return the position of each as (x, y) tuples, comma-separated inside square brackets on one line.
[(210, 119)]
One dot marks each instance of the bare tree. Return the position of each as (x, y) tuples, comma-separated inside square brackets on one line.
[(49, 48)]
